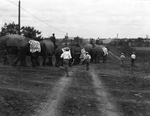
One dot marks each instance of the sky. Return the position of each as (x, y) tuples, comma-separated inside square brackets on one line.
[(83, 18)]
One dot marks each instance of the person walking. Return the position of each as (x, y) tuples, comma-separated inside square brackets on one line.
[(133, 58), (66, 55), (122, 58), (53, 39), (87, 59)]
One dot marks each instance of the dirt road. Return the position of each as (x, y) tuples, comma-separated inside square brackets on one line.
[(54, 105), (109, 108), (49, 107)]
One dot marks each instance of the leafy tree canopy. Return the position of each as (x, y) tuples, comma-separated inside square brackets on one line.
[(27, 31), (10, 28)]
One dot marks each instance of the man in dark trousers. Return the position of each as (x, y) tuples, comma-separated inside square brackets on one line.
[(66, 55), (133, 58), (53, 39)]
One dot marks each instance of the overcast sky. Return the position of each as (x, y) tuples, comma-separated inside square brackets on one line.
[(84, 18)]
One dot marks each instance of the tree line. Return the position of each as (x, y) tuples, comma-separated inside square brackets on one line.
[(27, 31)]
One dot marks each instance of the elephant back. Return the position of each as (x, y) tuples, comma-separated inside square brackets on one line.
[(11, 40), (98, 50), (47, 46), (76, 49), (89, 48), (58, 50)]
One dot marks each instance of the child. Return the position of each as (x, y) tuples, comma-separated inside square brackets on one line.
[(87, 60), (122, 58)]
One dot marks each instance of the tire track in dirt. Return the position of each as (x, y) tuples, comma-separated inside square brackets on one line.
[(108, 108), (20, 90), (49, 108), (114, 55)]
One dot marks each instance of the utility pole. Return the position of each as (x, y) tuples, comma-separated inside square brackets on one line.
[(117, 35), (66, 38), (19, 16)]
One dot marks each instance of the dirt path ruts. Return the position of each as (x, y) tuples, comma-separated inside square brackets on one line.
[(109, 108), (49, 108)]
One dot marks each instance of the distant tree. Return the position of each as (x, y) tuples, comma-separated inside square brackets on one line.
[(10, 28), (139, 41), (27, 31), (31, 32)]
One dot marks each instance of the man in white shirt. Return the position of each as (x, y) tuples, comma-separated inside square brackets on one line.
[(66, 55), (133, 58), (87, 60)]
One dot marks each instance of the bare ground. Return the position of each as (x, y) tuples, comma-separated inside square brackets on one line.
[(106, 90), (109, 108), (49, 108)]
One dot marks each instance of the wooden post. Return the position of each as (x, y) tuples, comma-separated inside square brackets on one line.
[(19, 16), (66, 38)]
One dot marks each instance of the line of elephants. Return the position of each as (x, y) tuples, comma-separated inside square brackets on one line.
[(19, 45)]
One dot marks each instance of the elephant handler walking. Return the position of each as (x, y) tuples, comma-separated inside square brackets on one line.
[(133, 58), (87, 59), (122, 59), (66, 55)]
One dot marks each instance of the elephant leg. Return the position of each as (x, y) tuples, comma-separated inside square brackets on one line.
[(23, 60), (104, 58), (95, 59), (70, 63), (37, 61), (56, 62), (44, 60), (98, 59), (19, 58), (16, 61), (34, 59), (5, 60), (50, 61), (61, 62)]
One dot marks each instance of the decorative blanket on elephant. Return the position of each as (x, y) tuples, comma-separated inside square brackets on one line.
[(105, 50), (34, 46)]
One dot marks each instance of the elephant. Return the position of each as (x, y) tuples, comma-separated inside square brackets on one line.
[(75, 53), (98, 52), (9, 45), (89, 48), (47, 51), (19, 46), (23, 51)]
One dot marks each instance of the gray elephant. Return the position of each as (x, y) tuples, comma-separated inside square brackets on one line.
[(89, 49), (96, 52), (75, 53), (47, 51), (99, 52), (24, 50), (9, 46)]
